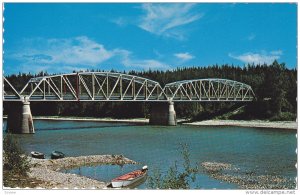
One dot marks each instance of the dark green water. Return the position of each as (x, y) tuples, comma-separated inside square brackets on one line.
[(264, 151)]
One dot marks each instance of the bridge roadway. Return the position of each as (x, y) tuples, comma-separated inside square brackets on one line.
[(109, 86)]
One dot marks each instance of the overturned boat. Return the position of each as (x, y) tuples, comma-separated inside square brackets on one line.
[(57, 155), (38, 155), (130, 179)]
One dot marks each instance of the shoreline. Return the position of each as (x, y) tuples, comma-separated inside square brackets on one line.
[(49, 171), (69, 118), (134, 120), (289, 125)]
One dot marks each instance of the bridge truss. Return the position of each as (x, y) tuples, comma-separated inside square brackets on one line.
[(92, 86), (9, 92), (209, 90), (108, 86)]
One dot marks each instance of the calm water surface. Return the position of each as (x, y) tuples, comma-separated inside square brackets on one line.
[(264, 151)]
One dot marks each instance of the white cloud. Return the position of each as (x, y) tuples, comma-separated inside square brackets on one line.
[(258, 58), (157, 53), (277, 52), (120, 21), (251, 37), (33, 68), (163, 19), (184, 56), (74, 51), (64, 55), (144, 64)]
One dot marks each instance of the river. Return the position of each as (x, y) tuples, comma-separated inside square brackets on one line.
[(258, 150)]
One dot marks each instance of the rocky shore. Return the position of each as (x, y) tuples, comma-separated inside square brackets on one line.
[(246, 179), (48, 171)]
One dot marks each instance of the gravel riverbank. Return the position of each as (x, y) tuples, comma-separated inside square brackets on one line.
[(47, 170), (252, 123), (134, 120), (242, 123), (246, 179)]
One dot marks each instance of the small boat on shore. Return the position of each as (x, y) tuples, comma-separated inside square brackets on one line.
[(130, 178), (38, 155), (57, 155)]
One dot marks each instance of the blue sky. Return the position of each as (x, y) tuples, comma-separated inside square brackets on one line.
[(59, 38)]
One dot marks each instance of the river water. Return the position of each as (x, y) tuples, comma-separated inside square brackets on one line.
[(263, 151)]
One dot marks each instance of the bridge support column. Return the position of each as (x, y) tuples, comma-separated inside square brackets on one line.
[(163, 114), (19, 119)]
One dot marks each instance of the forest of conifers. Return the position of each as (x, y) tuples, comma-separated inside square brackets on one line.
[(275, 88)]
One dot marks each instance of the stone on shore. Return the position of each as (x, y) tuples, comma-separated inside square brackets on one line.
[(215, 167)]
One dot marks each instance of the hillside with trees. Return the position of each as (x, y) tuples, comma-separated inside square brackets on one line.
[(275, 87)]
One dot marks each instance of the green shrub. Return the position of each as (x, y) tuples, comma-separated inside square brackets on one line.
[(174, 179), (14, 160), (284, 116)]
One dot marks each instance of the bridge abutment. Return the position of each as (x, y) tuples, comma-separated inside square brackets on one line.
[(163, 113), (19, 119)]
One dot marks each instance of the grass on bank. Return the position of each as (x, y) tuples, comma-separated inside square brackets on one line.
[(174, 178), (16, 165), (242, 113)]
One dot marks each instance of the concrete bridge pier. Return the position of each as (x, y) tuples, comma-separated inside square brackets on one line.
[(19, 119), (163, 113)]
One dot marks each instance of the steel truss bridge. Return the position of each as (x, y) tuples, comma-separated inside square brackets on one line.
[(108, 86)]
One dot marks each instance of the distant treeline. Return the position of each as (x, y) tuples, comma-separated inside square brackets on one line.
[(274, 85)]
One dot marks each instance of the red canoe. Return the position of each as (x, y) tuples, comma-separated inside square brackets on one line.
[(129, 178)]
